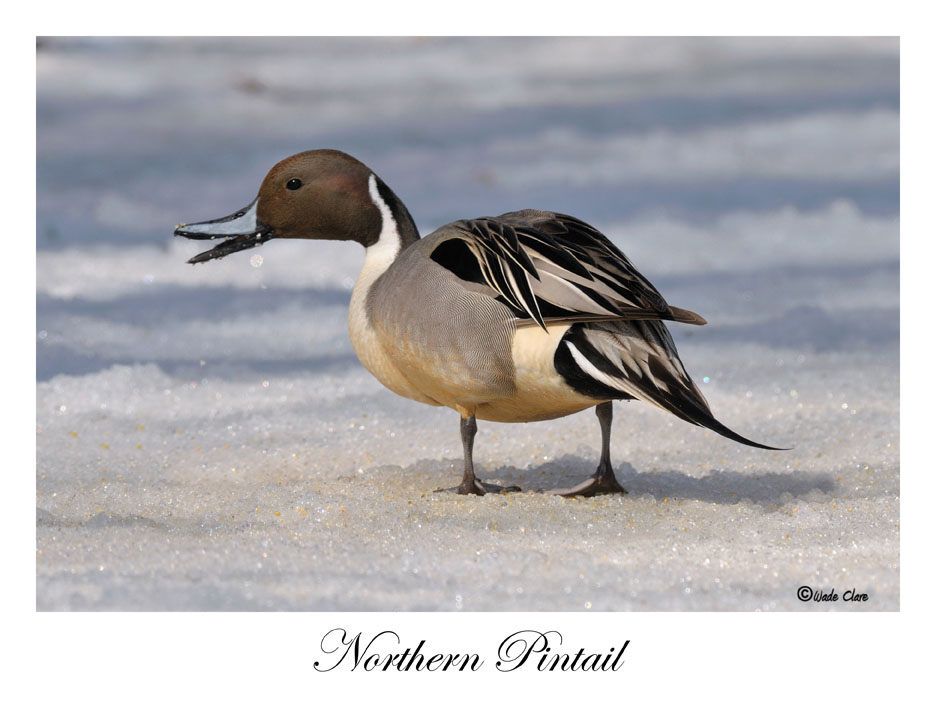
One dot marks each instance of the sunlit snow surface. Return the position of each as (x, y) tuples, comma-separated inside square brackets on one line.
[(208, 440)]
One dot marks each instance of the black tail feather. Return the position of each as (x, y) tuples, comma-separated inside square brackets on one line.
[(727, 432), (692, 407)]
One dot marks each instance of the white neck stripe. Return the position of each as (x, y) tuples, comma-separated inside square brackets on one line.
[(382, 253)]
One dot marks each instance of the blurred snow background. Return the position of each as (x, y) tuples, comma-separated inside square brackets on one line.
[(206, 438)]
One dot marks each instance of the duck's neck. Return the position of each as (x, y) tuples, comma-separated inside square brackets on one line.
[(397, 230)]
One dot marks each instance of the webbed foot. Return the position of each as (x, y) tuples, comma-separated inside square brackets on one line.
[(473, 486), (598, 484)]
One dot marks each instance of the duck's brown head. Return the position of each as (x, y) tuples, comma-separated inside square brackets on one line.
[(319, 195)]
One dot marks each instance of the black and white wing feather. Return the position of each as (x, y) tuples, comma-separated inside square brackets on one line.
[(551, 268), (555, 269)]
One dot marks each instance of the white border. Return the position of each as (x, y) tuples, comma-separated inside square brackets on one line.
[(247, 664)]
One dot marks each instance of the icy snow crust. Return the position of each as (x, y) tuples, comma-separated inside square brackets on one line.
[(207, 439)]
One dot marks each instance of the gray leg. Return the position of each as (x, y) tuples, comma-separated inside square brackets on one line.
[(470, 484), (603, 481)]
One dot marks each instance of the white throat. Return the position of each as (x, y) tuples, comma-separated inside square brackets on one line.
[(382, 253), (377, 258), (364, 338)]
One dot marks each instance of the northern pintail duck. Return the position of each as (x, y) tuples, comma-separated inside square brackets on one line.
[(530, 315)]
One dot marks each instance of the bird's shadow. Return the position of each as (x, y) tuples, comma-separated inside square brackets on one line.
[(724, 487), (99, 520)]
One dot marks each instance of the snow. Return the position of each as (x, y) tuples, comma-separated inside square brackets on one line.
[(206, 438)]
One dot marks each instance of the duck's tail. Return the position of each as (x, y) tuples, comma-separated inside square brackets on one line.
[(636, 359)]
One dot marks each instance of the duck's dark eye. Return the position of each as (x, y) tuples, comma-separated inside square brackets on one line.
[(294, 184)]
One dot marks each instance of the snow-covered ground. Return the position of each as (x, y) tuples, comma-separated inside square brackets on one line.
[(207, 439)]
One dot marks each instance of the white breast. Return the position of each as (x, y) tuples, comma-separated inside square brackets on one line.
[(364, 340)]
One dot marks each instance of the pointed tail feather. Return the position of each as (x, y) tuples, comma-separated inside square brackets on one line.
[(692, 407), (636, 359), (727, 432)]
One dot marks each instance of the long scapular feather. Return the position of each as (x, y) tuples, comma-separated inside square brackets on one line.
[(551, 268)]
